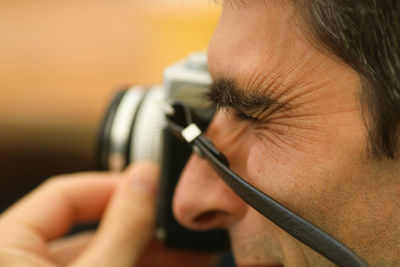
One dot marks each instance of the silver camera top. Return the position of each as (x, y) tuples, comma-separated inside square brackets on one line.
[(132, 129), (188, 81)]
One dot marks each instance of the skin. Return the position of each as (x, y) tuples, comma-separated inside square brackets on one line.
[(310, 155), (32, 230)]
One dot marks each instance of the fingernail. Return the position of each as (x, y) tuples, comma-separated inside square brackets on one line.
[(144, 178), (143, 185)]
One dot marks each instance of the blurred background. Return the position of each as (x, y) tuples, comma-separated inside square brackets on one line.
[(60, 64)]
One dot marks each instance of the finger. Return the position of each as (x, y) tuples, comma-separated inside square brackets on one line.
[(64, 250), (127, 226), (49, 211)]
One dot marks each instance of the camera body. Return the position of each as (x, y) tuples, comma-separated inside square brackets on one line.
[(134, 129)]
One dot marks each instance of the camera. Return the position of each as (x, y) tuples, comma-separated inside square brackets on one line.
[(134, 129)]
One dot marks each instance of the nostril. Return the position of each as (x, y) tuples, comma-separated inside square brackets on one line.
[(205, 218), (208, 217)]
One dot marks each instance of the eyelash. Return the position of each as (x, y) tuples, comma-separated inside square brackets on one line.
[(244, 117), (237, 114)]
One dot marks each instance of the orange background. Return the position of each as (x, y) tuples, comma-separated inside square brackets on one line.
[(60, 62)]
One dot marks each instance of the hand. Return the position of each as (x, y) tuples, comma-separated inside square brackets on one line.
[(30, 230), (27, 229)]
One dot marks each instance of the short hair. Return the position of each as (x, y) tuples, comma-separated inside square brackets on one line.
[(365, 34)]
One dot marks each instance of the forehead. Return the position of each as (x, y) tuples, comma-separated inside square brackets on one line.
[(264, 36), (264, 48), (246, 3), (241, 3)]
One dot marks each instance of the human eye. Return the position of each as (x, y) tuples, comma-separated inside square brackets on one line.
[(244, 117)]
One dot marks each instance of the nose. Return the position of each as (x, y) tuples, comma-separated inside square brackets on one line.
[(202, 200)]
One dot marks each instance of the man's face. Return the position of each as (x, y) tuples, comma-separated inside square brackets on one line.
[(307, 150)]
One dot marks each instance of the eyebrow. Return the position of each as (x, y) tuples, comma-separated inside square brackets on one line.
[(226, 93)]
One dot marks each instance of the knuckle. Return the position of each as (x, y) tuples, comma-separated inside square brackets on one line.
[(57, 181)]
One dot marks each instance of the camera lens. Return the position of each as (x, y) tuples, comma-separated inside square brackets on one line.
[(131, 129)]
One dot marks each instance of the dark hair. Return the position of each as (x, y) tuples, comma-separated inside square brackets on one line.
[(366, 35)]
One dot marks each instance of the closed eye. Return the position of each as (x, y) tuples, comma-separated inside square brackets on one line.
[(241, 116), (228, 95)]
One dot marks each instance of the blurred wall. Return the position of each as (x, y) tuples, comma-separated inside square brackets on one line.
[(60, 62)]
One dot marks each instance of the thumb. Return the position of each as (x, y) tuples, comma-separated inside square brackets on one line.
[(128, 222)]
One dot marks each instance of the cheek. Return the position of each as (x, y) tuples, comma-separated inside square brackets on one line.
[(272, 170), (310, 178)]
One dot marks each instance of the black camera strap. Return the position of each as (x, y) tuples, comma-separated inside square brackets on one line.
[(180, 123)]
